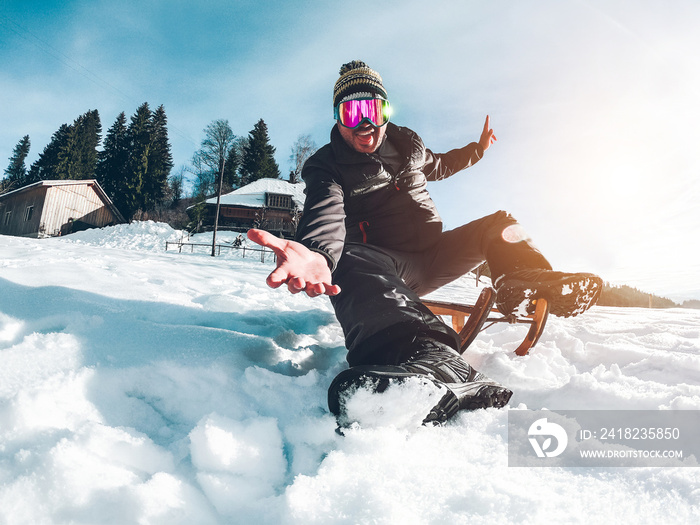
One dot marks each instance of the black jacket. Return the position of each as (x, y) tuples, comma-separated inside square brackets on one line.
[(379, 198)]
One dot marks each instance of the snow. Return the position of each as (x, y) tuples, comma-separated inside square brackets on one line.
[(143, 386)]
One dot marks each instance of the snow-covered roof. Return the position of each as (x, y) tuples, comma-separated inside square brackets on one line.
[(253, 194)]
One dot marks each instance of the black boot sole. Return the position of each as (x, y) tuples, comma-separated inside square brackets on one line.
[(567, 297), (473, 396)]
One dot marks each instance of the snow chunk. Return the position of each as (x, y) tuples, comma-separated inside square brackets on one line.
[(239, 462), (402, 405)]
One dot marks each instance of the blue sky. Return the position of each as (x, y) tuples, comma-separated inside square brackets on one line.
[(594, 103)]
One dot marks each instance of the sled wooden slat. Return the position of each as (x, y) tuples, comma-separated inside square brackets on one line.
[(539, 319), (458, 312), (468, 320)]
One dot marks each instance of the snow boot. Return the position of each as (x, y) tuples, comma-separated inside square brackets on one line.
[(462, 387), (472, 388), (568, 294)]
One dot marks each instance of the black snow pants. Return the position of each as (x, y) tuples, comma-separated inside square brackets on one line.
[(379, 307)]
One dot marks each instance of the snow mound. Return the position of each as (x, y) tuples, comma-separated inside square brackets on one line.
[(138, 235)]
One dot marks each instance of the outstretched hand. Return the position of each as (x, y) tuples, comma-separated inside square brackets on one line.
[(301, 269), (487, 136)]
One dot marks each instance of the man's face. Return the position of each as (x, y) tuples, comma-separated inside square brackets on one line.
[(365, 138)]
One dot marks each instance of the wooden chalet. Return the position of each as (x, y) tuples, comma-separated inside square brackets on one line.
[(50, 208), (270, 204)]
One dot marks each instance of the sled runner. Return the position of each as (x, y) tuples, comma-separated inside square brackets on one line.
[(469, 320)]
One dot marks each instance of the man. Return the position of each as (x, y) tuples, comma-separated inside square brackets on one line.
[(371, 238)]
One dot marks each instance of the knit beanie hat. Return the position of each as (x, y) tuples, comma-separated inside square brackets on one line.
[(358, 80)]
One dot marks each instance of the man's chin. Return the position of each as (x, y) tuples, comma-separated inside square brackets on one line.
[(364, 141), (367, 143)]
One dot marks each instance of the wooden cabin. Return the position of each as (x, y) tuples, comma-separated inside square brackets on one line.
[(270, 204), (49, 208)]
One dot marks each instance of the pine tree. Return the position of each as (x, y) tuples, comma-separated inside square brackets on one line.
[(16, 174), (72, 151), (233, 162), (258, 156), (139, 139), (46, 166), (89, 136), (113, 160), (77, 158), (142, 182), (160, 161)]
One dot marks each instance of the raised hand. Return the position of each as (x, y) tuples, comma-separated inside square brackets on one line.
[(301, 269), (487, 136)]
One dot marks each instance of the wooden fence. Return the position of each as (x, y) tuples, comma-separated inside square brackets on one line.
[(244, 249)]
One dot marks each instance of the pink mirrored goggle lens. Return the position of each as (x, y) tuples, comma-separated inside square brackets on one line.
[(352, 112)]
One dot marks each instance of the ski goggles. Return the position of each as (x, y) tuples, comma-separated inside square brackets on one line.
[(352, 113)]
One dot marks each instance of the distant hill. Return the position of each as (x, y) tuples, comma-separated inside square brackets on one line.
[(692, 303), (628, 296)]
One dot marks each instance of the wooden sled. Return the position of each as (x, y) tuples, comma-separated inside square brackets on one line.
[(469, 320)]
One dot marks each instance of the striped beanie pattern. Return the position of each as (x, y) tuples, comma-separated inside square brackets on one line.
[(358, 80)]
